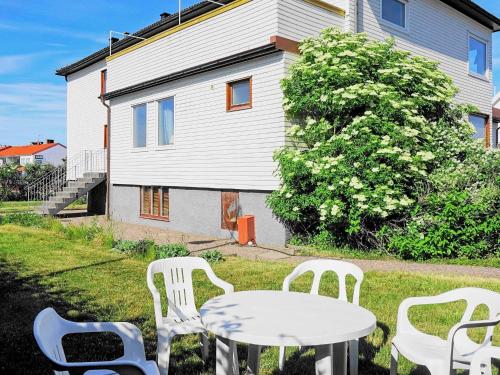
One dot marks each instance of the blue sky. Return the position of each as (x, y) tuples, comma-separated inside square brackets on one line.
[(38, 38)]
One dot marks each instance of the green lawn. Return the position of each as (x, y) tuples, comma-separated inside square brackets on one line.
[(85, 281), (24, 206)]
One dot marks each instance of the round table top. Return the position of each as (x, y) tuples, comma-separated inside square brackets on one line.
[(275, 318)]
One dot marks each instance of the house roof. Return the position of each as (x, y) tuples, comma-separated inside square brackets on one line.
[(26, 150), (467, 7), (496, 114)]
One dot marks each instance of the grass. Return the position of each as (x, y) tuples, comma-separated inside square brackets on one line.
[(24, 206), (84, 280)]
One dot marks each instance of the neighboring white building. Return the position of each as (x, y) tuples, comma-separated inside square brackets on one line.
[(196, 109), (38, 153), (496, 122)]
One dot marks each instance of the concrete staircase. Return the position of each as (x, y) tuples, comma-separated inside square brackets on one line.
[(71, 192)]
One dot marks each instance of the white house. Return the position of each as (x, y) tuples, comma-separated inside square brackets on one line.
[(496, 121), (193, 113), (36, 153)]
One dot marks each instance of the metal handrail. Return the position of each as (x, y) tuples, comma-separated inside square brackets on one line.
[(86, 161)]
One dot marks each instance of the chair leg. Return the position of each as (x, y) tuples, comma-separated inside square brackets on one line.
[(394, 360), (205, 348), (353, 357), (236, 365), (163, 354), (282, 357)]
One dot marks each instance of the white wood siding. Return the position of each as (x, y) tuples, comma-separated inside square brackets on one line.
[(248, 26), (212, 148), (86, 115), (299, 19), (53, 155), (440, 33)]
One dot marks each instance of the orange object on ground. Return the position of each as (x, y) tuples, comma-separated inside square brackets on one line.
[(246, 229)]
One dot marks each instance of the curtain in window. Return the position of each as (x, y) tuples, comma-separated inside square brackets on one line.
[(166, 122)]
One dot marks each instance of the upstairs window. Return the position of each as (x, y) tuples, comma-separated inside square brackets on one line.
[(154, 202), (104, 77), (394, 12), (166, 122), (140, 124), (239, 95), (477, 56)]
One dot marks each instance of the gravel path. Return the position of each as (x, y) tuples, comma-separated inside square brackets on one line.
[(197, 244)]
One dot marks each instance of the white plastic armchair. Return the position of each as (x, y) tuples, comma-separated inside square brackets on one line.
[(481, 362), (49, 329), (182, 316), (443, 357), (343, 269)]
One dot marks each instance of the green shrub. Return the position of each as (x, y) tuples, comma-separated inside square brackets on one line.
[(134, 248), (374, 130), (171, 250), (212, 256)]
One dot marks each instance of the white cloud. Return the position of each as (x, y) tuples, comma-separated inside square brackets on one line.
[(29, 111), (14, 63)]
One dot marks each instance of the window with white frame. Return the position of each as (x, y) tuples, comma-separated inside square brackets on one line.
[(140, 125), (395, 12), (166, 121), (477, 56)]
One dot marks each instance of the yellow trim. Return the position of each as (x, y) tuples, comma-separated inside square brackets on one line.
[(330, 7), (181, 27)]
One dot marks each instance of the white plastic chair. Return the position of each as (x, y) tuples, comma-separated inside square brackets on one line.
[(49, 329), (443, 357), (182, 316), (481, 362), (342, 269)]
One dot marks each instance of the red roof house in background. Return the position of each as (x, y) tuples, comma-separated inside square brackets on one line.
[(39, 153)]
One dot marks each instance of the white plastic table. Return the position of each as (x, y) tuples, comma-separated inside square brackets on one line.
[(273, 318)]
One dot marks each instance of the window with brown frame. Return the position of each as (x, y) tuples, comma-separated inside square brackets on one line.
[(104, 77), (239, 94), (230, 207), (154, 203)]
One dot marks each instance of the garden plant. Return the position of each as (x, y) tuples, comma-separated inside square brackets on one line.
[(379, 156)]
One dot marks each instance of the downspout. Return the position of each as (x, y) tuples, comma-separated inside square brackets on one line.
[(108, 158)]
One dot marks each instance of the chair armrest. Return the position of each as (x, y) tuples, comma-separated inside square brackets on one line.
[(224, 285), (471, 324), (131, 336), (119, 365)]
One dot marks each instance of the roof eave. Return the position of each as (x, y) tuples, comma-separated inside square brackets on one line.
[(474, 11)]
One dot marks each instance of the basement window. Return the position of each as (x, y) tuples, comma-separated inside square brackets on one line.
[(155, 203), (230, 208), (239, 94)]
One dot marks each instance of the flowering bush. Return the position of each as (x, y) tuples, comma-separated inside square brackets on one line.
[(370, 126)]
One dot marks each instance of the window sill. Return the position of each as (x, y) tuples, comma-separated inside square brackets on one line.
[(157, 218), (239, 108), (479, 76), (165, 148)]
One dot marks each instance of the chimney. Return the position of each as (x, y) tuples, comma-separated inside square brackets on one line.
[(164, 15), (49, 141)]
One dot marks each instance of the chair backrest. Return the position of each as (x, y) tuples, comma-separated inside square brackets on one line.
[(482, 358), (319, 267), (49, 329), (177, 274)]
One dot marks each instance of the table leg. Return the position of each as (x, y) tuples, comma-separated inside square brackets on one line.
[(324, 360), (224, 356), (339, 358), (253, 362)]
